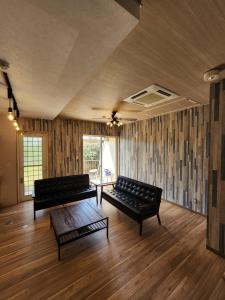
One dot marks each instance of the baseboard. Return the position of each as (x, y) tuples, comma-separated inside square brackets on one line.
[(174, 203), (215, 251)]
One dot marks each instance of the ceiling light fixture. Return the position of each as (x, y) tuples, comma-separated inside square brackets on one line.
[(13, 110), (10, 114), (10, 110), (15, 123), (114, 121)]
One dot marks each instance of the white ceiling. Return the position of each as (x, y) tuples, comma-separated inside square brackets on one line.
[(55, 47)]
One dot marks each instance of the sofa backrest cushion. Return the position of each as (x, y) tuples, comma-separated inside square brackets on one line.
[(48, 186), (138, 189)]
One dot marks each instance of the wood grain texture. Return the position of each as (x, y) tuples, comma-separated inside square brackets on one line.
[(160, 265), (65, 144), (173, 45), (216, 203), (170, 151)]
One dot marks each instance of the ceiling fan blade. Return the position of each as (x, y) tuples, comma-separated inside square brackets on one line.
[(128, 119), (101, 118), (118, 111)]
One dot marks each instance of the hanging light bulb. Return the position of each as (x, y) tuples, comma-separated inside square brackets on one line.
[(108, 123), (17, 128), (15, 123), (10, 110), (14, 118), (10, 114)]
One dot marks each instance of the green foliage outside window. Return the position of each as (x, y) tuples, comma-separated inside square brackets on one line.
[(91, 152)]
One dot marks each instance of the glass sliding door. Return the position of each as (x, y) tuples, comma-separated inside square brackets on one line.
[(100, 158), (92, 157), (109, 159)]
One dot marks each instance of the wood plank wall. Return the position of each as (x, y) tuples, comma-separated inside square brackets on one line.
[(65, 147), (216, 203), (170, 151)]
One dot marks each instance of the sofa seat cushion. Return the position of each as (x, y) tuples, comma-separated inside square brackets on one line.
[(67, 195), (138, 206)]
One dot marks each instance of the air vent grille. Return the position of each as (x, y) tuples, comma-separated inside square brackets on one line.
[(139, 94), (164, 93), (151, 96)]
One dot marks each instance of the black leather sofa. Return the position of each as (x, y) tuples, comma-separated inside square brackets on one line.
[(136, 199), (60, 190)]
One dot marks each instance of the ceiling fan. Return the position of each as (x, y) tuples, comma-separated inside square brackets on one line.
[(115, 120)]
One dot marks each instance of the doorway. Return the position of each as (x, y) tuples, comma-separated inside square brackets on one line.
[(100, 158), (32, 162)]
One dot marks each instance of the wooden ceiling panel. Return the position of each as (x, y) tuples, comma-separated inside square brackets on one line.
[(172, 46)]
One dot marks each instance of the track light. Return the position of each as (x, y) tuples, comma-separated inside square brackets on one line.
[(10, 114), (13, 110), (10, 110)]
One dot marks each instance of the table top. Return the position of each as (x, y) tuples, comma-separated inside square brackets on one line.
[(69, 218), (104, 183)]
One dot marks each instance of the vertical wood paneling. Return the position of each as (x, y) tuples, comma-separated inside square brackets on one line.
[(170, 151), (65, 146), (216, 203)]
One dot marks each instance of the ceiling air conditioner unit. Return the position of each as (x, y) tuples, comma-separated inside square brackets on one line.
[(151, 96)]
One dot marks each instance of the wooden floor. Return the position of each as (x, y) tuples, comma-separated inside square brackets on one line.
[(167, 262)]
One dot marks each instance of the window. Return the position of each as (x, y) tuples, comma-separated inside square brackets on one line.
[(32, 162)]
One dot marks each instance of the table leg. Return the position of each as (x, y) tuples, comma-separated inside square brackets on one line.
[(59, 254), (50, 222), (96, 195), (107, 229)]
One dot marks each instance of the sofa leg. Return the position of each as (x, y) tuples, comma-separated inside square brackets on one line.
[(158, 219), (101, 190), (34, 214), (141, 228)]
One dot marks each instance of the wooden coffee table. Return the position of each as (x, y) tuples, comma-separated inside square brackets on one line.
[(74, 222)]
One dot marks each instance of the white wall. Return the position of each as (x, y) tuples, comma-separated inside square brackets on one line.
[(8, 163)]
